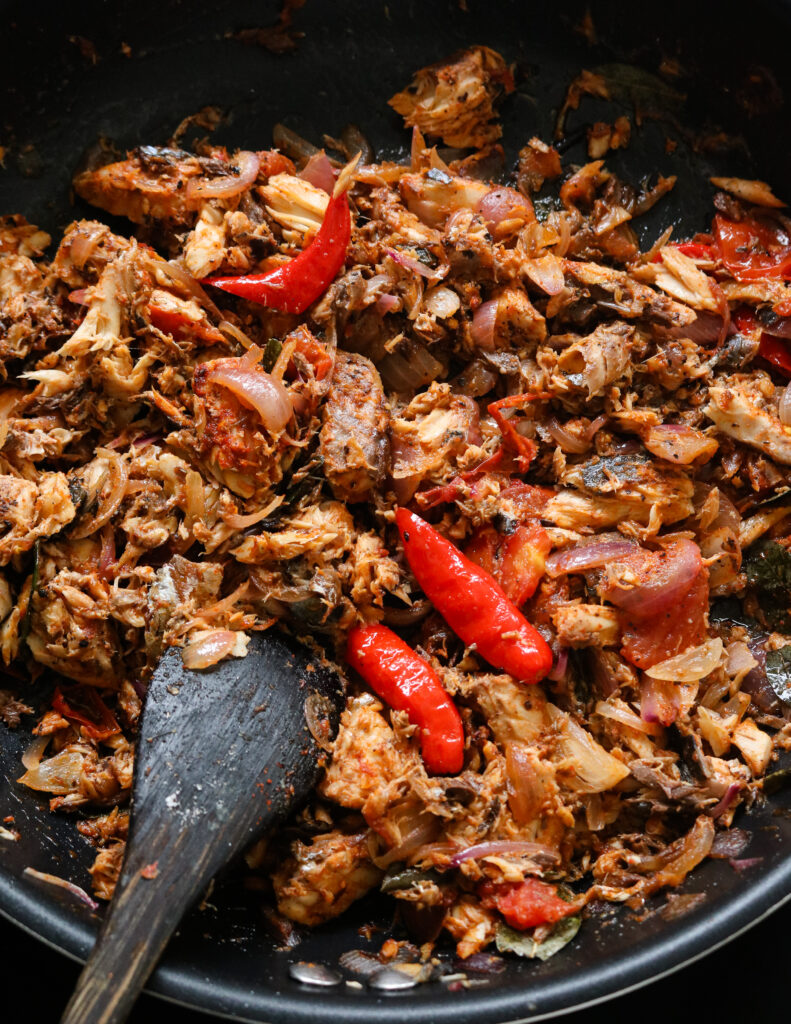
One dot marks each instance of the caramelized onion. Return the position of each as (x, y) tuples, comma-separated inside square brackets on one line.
[(424, 830), (60, 774), (691, 665), (32, 756), (387, 304), (410, 263), (178, 274), (62, 883), (619, 711), (589, 556), (659, 701), (256, 389), (318, 171), (684, 564), (567, 442), (505, 848), (224, 187), (483, 323), (210, 648), (784, 408), (238, 522), (112, 493)]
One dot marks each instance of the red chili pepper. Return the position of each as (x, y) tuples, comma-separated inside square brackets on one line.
[(408, 683), (473, 603), (526, 904), (295, 285), (84, 705)]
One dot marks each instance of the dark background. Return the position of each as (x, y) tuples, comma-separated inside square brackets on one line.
[(743, 981)]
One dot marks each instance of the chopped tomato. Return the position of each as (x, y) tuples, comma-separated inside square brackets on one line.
[(697, 250), (180, 318), (524, 447), (526, 904), (516, 560), (314, 353), (646, 642), (751, 248), (84, 705), (774, 350)]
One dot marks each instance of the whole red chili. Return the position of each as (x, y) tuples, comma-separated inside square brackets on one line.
[(408, 683), (295, 285), (472, 602)]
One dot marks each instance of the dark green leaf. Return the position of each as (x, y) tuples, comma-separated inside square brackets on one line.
[(648, 93), (768, 567), (778, 672), (775, 781), (271, 352), (405, 878), (509, 940)]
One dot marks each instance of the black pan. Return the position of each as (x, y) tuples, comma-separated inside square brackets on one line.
[(131, 72)]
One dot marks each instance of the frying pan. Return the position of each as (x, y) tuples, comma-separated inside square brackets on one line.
[(131, 72)]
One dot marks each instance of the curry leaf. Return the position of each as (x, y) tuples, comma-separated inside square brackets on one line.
[(509, 940), (768, 567), (778, 672)]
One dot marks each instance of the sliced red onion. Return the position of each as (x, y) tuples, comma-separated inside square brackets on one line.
[(61, 883), (247, 165), (257, 389), (501, 204), (410, 263), (558, 671), (784, 409), (484, 320), (318, 171), (730, 843), (726, 802), (567, 442), (589, 556), (659, 701), (387, 304), (504, 848), (652, 598), (208, 650), (745, 864)]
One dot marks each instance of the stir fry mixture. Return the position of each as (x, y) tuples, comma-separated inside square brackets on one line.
[(529, 485)]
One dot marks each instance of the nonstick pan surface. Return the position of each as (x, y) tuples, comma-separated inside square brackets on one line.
[(130, 72)]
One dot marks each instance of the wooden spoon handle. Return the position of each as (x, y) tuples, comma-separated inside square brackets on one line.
[(149, 902)]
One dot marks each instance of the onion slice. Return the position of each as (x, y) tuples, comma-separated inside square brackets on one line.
[(31, 758), (589, 556), (224, 187), (208, 648), (318, 171), (256, 389), (505, 848), (484, 320), (75, 890), (784, 409), (691, 665)]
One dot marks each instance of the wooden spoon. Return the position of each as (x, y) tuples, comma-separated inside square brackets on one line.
[(222, 755)]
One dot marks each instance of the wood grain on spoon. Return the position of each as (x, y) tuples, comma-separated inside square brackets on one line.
[(222, 755)]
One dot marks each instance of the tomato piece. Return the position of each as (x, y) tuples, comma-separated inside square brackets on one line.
[(696, 250), (526, 904), (646, 642), (314, 353), (516, 560), (180, 319), (84, 705), (751, 249), (776, 352)]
